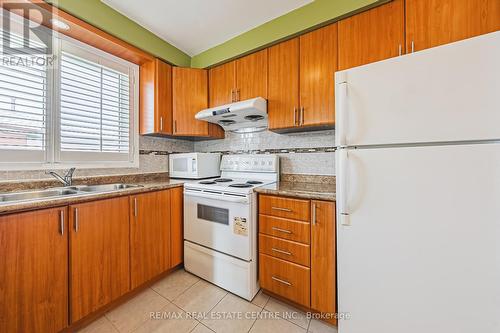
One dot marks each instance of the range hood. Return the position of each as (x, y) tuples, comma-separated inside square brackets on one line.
[(239, 117)]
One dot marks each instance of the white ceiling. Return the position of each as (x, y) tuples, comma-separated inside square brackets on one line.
[(197, 25)]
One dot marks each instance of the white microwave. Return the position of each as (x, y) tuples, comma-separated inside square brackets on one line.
[(194, 165)]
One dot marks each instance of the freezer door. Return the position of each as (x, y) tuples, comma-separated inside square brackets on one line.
[(446, 93), (420, 251)]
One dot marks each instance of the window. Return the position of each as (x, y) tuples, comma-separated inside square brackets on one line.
[(78, 110)]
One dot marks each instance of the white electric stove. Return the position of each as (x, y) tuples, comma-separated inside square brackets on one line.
[(220, 222)]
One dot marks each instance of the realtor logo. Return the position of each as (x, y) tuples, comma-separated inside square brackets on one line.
[(25, 44)]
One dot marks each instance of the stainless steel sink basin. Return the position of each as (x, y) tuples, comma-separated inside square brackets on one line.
[(105, 187), (33, 195)]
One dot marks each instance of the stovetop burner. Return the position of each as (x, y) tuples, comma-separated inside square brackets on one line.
[(223, 180), (254, 182), (241, 185), (207, 182)]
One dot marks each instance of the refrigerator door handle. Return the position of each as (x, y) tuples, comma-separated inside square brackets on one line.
[(343, 184), (341, 121)]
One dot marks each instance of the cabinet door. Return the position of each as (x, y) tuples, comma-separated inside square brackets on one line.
[(155, 116), (34, 271), (176, 225), (99, 252), (222, 84), (323, 263), (434, 22), (283, 92), (251, 76), (318, 63), (372, 35), (149, 236)]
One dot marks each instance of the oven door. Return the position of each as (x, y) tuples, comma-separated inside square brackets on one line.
[(220, 221)]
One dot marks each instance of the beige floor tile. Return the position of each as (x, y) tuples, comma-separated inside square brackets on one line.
[(201, 297), (268, 324), (318, 326), (287, 312), (201, 329), (232, 314), (102, 325), (175, 284), (260, 299), (169, 319), (132, 314)]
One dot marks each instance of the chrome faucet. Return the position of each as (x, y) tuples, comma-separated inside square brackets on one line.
[(67, 180)]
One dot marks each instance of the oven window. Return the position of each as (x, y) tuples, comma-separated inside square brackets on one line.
[(213, 214), (181, 164)]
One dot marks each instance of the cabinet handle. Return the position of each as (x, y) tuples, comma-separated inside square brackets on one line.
[(281, 230), (237, 95), (282, 209), (61, 222), (301, 116), (314, 214), (412, 46), (400, 49), (76, 220), (232, 95), (281, 251), (175, 126), (161, 123), (281, 281), (135, 207)]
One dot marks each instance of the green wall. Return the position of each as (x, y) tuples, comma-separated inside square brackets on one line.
[(98, 14), (314, 14)]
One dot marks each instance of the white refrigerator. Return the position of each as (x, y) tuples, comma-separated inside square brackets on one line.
[(418, 191)]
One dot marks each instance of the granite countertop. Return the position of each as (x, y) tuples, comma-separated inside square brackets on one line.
[(146, 186), (306, 190)]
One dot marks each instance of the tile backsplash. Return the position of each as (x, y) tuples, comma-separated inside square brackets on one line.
[(300, 153)]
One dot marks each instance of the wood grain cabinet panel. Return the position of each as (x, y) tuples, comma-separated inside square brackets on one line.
[(155, 116), (283, 228), (251, 76), (284, 249), (372, 35), (176, 225), (34, 271), (296, 209), (99, 254), (190, 95), (431, 23), (286, 279), (323, 258), (149, 235), (318, 63), (283, 94), (222, 81)]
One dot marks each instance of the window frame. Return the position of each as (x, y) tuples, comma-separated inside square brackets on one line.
[(53, 157)]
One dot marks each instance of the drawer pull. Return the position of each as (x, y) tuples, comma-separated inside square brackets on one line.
[(281, 251), (281, 230), (282, 209), (281, 281)]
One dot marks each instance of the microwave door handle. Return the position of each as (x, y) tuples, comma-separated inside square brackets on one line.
[(193, 165)]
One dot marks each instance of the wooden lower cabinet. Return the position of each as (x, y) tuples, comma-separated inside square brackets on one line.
[(297, 257), (34, 271), (99, 254), (176, 226), (149, 236)]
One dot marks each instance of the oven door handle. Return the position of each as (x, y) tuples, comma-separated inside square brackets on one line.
[(222, 196)]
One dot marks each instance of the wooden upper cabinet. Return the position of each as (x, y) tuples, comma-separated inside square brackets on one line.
[(34, 271), (323, 262), (372, 35), (176, 226), (435, 22), (318, 63), (149, 236), (190, 95), (99, 249), (251, 76), (283, 94), (222, 81), (155, 116)]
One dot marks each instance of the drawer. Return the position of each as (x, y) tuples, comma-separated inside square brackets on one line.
[(285, 249), (286, 279), (283, 228), (296, 209)]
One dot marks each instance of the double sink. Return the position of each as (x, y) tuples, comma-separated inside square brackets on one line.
[(60, 192)]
